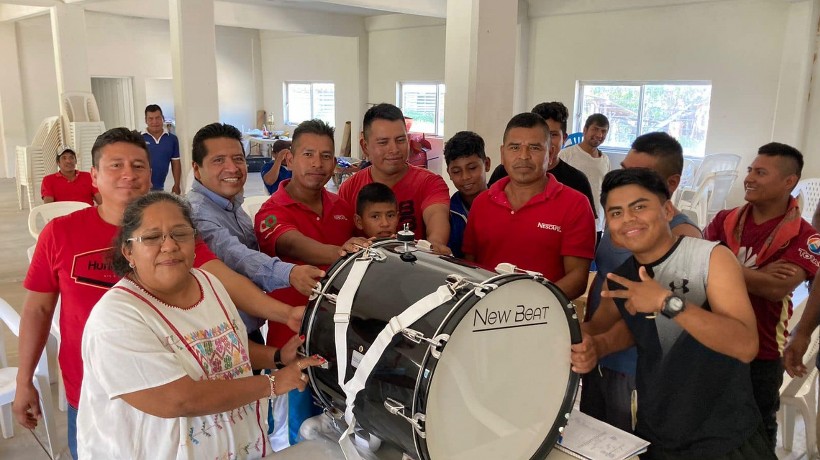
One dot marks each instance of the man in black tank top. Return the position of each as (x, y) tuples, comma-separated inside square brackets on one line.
[(683, 303)]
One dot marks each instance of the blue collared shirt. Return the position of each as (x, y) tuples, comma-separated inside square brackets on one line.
[(228, 231)]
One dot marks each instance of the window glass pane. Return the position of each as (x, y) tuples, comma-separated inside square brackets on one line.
[(620, 104), (418, 101), (298, 102), (324, 106), (440, 127), (680, 110)]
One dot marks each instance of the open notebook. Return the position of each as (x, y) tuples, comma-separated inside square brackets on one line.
[(588, 438)]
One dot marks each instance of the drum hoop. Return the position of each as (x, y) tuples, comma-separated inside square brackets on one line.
[(428, 364), (307, 325)]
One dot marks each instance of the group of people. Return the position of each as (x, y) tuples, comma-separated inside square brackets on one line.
[(163, 299)]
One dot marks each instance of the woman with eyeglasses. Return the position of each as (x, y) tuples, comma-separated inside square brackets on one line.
[(166, 361)]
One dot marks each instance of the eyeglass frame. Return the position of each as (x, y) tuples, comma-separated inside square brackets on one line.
[(163, 237)]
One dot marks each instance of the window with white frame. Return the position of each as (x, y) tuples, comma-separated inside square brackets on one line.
[(680, 108), (309, 100), (424, 103)]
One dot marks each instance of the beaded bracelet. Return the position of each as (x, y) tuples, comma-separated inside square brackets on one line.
[(272, 380)]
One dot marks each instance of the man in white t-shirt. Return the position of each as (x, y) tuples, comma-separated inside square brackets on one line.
[(588, 159)]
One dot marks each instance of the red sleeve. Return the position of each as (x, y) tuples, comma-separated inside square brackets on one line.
[(202, 254), (436, 191), (350, 188), (46, 187), (42, 272), (714, 231), (578, 232), (804, 251), (271, 222)]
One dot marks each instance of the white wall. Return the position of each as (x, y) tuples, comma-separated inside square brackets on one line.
[(141, 52), (313, 58), (735, 44), (403, 54)]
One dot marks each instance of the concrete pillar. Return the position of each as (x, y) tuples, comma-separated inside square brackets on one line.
[(12, 119), (480, 69), (193, 64), (70, 50)]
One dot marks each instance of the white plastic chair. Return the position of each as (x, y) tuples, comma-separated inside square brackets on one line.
[(49, 211), (251, 204), (711, 164), (8, 387), (799, 394), (807, 193), (709, 198)]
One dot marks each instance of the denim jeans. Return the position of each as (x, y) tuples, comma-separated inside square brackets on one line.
[(71, 414)]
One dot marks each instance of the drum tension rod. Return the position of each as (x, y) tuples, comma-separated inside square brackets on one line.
[(458, 282), (397, 408), (436, 343)]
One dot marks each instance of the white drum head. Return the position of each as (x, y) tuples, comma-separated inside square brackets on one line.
[(502, 378)]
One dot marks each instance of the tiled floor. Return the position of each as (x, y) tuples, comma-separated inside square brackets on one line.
[(13, 264)]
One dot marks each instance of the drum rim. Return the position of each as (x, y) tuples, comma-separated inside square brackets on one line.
[(464, 304)]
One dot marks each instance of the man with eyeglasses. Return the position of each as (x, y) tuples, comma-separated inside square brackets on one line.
[(71, 262)]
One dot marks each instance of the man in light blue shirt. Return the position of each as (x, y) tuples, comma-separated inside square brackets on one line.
[(216, 199)]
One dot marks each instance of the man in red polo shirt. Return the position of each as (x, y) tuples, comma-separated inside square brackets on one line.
[(422, 196), (530, 219), (303, 223), (68, 184)]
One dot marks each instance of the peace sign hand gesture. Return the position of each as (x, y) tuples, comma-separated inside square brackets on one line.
[(644, 296)]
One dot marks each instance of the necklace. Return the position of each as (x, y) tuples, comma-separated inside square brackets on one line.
[(139, 286)]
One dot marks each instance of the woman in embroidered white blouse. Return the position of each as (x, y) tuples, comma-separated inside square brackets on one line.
[(166, 361)]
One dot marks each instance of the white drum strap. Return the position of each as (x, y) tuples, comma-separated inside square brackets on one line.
[(405, 319), (344, 305)]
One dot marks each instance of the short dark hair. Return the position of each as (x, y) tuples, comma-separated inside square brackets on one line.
[(643, 177), (383, 111), (555, 111), (280, 145), (153, 108), (132, 219), (213, 131), (315, 126), (114, 135), (527, 120), (597, 119), (65, 150), (464, 144), (777, 149), (374, 192), (665, 148)]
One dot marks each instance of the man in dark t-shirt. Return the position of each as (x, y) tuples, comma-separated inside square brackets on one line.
[(556, 115), (683, 303)]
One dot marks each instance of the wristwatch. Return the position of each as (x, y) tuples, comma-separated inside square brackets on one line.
[(277, 360), (672, 306)]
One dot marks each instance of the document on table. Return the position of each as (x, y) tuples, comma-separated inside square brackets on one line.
[(586, 437)]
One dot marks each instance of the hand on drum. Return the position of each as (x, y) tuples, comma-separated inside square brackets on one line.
[(644, 296), (295, 318), (441, 249), (584, 355), (292, 377), (354, 244), (304, 278)]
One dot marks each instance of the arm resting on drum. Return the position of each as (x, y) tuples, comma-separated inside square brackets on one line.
[(295, 245), (252, 300), (574, 282), (437, 222), (604, 317), (186, 397)]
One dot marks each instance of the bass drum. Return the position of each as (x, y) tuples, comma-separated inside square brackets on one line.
[(499, 386)]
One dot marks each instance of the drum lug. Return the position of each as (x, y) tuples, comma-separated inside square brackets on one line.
[(436, 343), (483, 289), (372, 254), (397, 408)]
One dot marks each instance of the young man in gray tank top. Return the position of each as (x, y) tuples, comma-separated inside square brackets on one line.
[(609, 391), (682, 301)]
